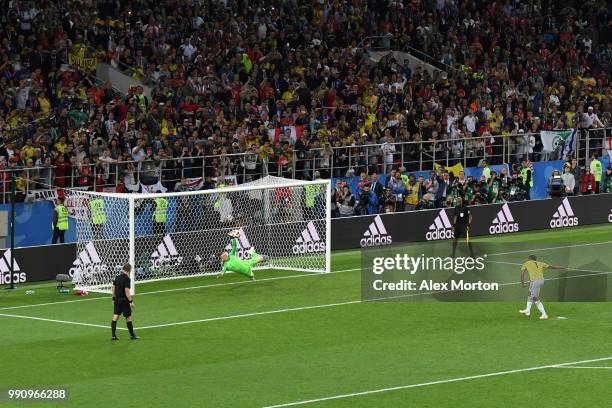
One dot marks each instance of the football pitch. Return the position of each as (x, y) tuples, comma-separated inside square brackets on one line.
[(303, 339)]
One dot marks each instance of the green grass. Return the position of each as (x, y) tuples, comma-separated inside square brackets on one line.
[(294, 355)]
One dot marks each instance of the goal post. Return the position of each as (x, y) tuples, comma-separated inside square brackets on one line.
[(181, 234)]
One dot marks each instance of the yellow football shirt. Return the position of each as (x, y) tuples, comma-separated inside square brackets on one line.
[(535, 269)]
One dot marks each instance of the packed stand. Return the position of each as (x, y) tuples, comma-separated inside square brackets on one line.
[(286, 88)]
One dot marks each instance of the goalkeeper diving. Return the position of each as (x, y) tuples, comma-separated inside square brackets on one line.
[(232, 263)]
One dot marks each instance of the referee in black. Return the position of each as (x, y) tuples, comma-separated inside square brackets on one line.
[(462, 222), (122, 301)]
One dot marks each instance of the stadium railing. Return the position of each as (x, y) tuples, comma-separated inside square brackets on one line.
[(413, 156), (596, 140)]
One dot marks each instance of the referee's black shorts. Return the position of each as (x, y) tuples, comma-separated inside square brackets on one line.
[(122, 307), (461, 230)]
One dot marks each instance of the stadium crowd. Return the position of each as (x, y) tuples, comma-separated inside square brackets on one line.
[(286, 87)]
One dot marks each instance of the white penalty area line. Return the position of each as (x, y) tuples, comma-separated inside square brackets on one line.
[(425, 384), (593, 272), (274, 278), (56, 321), (593, 367), (550, 248), (187, 288), (350, 302), (266, 312), (277, 311)]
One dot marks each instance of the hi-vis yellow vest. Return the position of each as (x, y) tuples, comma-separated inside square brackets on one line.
[(96, 207), (161, 205), (524, 176), (311, 194), (62, 217)]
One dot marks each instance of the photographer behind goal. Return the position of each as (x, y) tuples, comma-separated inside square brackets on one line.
[(556, 187)]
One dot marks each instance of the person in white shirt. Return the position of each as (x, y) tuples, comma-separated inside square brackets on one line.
[(225, 209), (591, 120), (105, 162), (138, 152), (400, 85), (188, 49), (454, 131), (388, 148), (470, 122), (451, 117), (527, 143)]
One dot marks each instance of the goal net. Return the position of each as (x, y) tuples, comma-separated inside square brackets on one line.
[(179, 235)]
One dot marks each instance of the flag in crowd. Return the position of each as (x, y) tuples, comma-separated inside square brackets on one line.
[(563, 141)]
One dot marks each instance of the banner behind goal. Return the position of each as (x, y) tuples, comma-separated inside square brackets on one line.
[(177, 235)]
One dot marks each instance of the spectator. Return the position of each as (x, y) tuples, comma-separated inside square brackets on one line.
[(346, 202), (388, 148), (413, 193), (606, 183), (398, 189), (442, 193), (335, 196), (389, 201), (588, 182), (377, 188), (569, 181), (298, 79), (577, 173)]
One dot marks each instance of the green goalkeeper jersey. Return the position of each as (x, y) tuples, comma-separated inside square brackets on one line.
[(235, 264)]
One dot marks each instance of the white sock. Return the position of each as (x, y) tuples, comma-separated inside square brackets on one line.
[(528, 307), (540, 307)]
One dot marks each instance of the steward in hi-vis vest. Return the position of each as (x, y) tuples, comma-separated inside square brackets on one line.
[(160, 215), (59, 225), (97, 217)]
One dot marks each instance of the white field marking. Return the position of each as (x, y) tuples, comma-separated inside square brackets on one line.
[(594, 367), (266, 312), (269, 279), (425, 384), (187, 288), (566, 269), (54, 303), (293, 309), (549, 248), (350, 302), (57, 321), (276, 278)]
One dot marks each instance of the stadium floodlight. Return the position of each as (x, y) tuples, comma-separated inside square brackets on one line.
[(286, 220)]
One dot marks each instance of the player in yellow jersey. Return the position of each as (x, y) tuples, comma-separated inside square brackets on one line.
[(535, 269)]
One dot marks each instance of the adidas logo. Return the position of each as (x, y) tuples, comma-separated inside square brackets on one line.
[(610, 216), (564, 216), (376, 234), (309, 241), (242, 250), (87, 263), (503, 222), (441, 228), (166, 254), (5, 270)]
